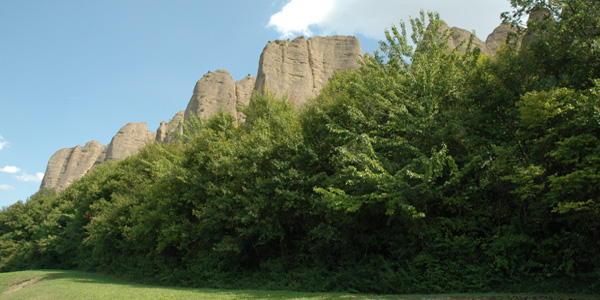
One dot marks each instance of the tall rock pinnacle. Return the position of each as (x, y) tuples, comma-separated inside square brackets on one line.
[(299, 68), (302, 67), (128, 141), (214, 91), (70, 164)]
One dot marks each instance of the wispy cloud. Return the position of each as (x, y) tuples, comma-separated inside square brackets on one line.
[(6, 187), (10, 169), (31, 178), (23, 176), (371, 17), (3, 143)]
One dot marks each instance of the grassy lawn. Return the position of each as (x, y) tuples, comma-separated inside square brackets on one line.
[(79, 285)]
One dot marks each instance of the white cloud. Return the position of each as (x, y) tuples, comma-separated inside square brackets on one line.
[(3, 143), (10, 169), (6, 187), (298, 15), (33, 178), (371, 17)]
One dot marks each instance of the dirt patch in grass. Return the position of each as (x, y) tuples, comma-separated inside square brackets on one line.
[(20, 285)]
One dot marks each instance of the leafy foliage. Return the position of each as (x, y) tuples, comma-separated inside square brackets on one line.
[(425, 170)]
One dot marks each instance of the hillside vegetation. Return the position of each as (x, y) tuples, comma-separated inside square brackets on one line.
[(423, 171)]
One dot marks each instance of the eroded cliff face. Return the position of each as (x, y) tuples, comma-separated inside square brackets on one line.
[(166, 132), (70, 164), (128, 141), (214, 91), (302, 67), (499, 37), (458, 38), (298, 69), (218, 90), (243, 91)]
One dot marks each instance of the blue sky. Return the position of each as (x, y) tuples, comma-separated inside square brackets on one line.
[(72, 71)]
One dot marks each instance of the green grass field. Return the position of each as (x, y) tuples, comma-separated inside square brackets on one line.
[(74, 285)]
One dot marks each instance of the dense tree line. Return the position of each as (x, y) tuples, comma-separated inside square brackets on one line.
[(425, 170)]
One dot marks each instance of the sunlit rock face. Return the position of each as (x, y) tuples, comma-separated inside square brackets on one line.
[(167, 132), (214, 91), (458, 38), (300, 68), (70, 164), (499, 37), (128, 141)]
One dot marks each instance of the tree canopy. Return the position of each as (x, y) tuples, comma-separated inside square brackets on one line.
[(424, 170)]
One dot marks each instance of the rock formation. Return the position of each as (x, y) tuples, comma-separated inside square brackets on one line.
[(70, 164), (166, 131), (128, 141), (458, 38), (243, 91), (302, 67), (162, 132), (299, 68), (499, 37), (214, 91), (537, 17)]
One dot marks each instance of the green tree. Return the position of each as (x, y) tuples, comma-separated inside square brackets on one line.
[(566, 48)]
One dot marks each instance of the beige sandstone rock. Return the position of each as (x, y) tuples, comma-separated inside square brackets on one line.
[(499, 37), (161, 132), (128, 141), (537, 15), (69, 164), (302, 67), (298, 68), (101, 158), (214, 91), (243, 91), (166, 131), (458, 39), (329, 54)]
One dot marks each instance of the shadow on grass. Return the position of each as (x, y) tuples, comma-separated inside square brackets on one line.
[(106, 281), (103, 283)]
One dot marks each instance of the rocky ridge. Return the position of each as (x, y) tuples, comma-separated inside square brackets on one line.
[(302, 67), (458, 38), (70, 164), (165, 131), (298, 69)]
